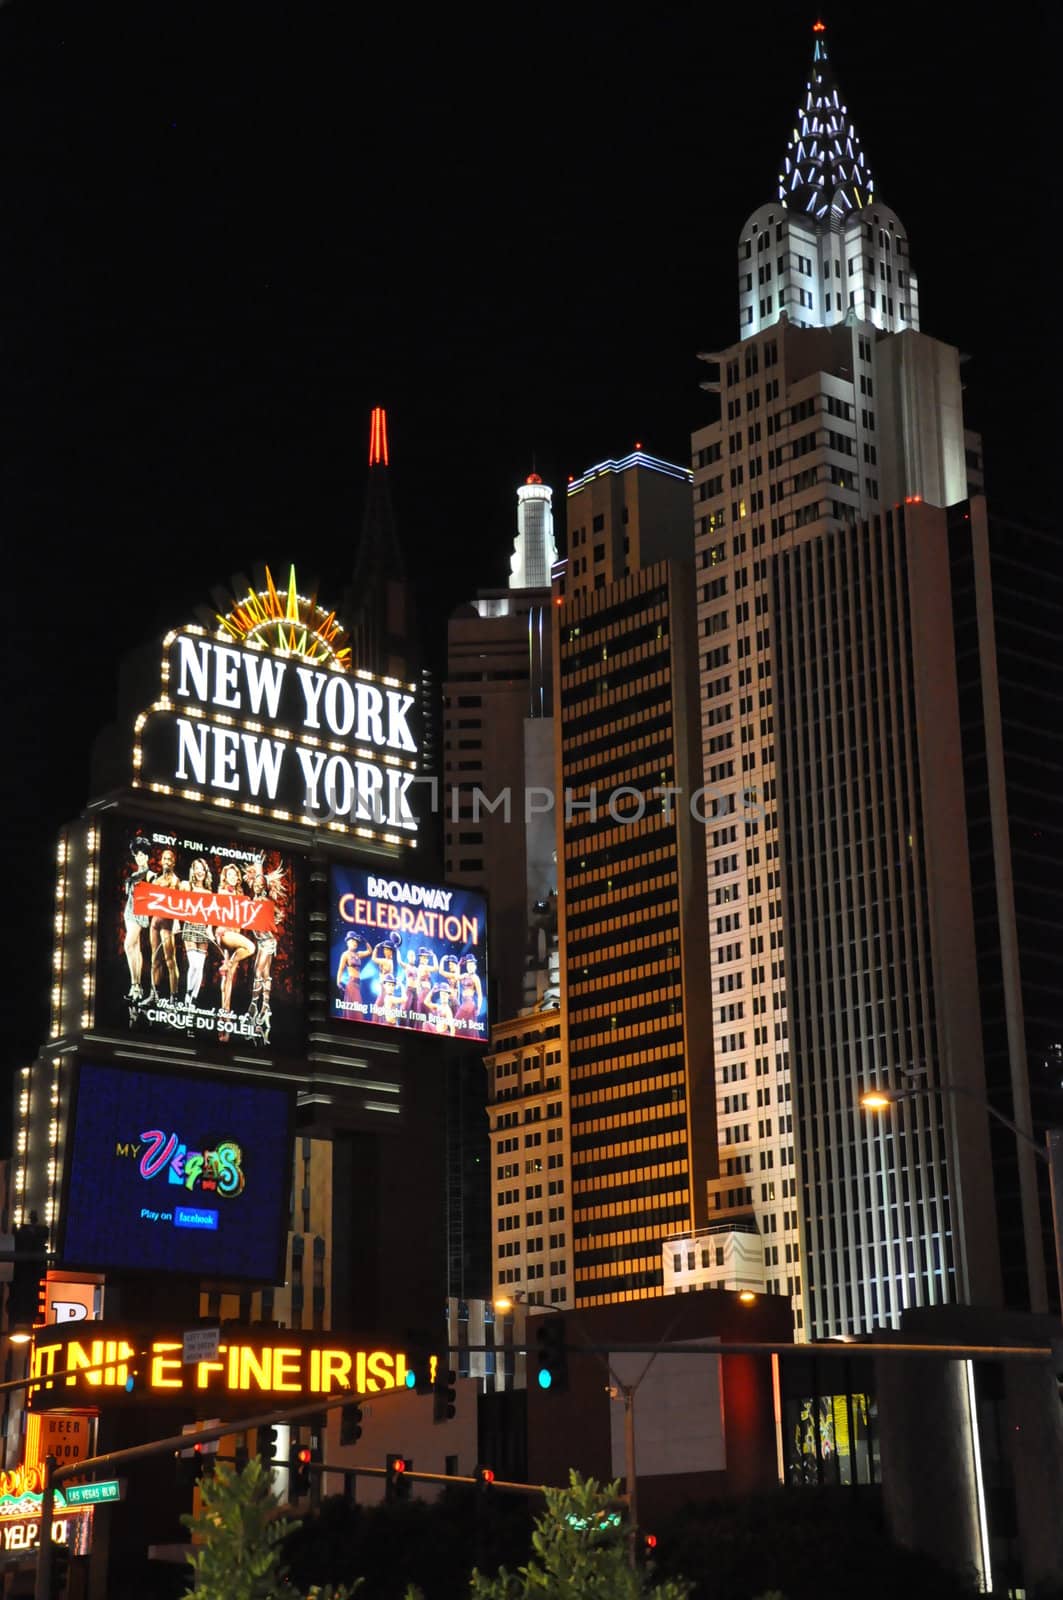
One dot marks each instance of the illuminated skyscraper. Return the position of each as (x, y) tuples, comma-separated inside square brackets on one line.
[(498, 760), (843, 939), (632, 919), (499, 837)]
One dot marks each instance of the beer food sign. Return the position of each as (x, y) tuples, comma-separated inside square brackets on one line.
[(265, 714)]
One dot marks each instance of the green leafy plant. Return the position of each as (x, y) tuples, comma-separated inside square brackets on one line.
[(580, 1552), (240, 1533)]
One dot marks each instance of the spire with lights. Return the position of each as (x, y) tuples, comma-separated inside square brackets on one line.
[(380, 606), (825, 172), (826, 250)]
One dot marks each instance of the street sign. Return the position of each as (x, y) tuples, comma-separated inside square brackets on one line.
[(199, 1344), (92, 1494)]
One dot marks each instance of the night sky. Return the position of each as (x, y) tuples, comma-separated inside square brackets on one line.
[(232, 229)]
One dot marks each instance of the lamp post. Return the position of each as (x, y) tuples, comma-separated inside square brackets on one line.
[(881, 1098)]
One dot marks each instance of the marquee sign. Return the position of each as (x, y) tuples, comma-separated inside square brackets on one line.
[(115, 1366), (266, 715)]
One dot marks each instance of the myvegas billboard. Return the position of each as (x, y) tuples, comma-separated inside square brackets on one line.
[(408, 955), (177, 1172), (199, 935), (267, 715)]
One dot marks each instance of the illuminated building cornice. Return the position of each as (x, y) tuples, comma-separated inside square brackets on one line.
[(637, 458)]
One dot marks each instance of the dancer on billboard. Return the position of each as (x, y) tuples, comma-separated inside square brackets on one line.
[(424, 978), (472, 995), (349, 972), (265, 886), (160, 937), (238, 945), (386, 955), (387, 1007), (196, 937), (439, 1007), (135, 923)]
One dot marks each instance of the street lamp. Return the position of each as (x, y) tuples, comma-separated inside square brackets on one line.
[(881, 1097)]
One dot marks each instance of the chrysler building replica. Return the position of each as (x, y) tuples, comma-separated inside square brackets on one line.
[(843, 941)]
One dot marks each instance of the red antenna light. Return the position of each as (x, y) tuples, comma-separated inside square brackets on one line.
[(378, 437)]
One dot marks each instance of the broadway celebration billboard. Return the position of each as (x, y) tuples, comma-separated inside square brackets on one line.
[(199, 935), (407, 955)]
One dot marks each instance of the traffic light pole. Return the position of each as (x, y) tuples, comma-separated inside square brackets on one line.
[(632, 1475), (43, 1584), (55, 1475)]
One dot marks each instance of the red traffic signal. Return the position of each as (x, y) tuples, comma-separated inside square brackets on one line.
[(299, 1459), (487, 1475), (395, 1486), (649, 1541)]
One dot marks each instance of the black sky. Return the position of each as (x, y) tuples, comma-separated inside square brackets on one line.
[(232, 229)]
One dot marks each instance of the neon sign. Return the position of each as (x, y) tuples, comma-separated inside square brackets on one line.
[(266, 715), (218, 1170), (114, 1367)]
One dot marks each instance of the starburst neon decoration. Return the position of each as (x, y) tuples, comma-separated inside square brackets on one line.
[(288, 623)]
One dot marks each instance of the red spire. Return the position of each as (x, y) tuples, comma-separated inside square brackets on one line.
[(378, 437)]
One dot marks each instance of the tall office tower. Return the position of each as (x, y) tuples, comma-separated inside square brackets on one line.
[(632, 881), (498, 763), (531, 1194), (841, 927), (499, 838), (1007, 594), (380, 601)]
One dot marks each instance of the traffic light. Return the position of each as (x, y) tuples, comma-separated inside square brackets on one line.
[(299, 1459), (553, 1356), (444, 1394), (396, 1483), (649, 1547), (420, 1363), (485, 1477), (190, 1466), (60, 1572), (268, 1444), (351, 1423), (240, 1457)]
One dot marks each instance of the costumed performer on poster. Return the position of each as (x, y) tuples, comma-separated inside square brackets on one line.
[(135, 922)]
